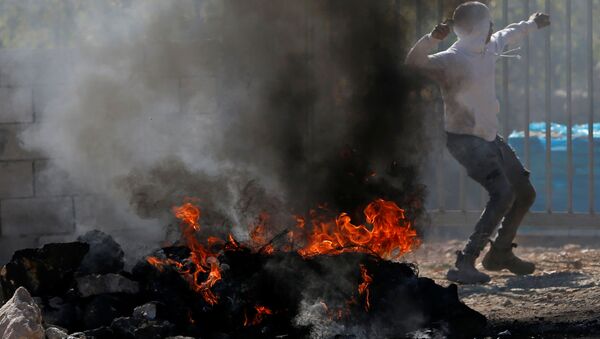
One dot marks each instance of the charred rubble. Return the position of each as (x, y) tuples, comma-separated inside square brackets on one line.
[(259, 295)]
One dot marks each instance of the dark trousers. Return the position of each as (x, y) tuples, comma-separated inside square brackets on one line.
[(495, 166)]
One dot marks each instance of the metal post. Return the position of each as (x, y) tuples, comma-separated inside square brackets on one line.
[(462, 182), (590, 64), (419, 18), (527, 93), (569, 113), (439, 171), (309, 113), (505, 77), (440, 9), (548, 111)]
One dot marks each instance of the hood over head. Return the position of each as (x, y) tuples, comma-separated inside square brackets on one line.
[(474, 40)]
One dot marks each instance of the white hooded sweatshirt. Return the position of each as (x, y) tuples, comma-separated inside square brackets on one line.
[(466, 74)]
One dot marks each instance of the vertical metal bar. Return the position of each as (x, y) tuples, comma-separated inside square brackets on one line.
[(418, 18), (527, 93), (309, 113), (505, 77), (198, 8), (569, 112), (548, 109), (440, 8), (590, 64), (462, 183), (440, 109), (440, 12)]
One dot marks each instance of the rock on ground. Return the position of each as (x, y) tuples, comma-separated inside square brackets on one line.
[(20, 317), (43, 271), (105, 254), (96, 284), (146, 311), (56, 333)]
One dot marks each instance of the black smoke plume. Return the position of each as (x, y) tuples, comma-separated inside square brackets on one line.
[(292, 105)]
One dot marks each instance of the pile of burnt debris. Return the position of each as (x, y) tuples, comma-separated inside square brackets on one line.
[(82, 288)]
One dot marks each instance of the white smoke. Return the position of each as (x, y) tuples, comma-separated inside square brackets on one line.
[(124, 111), (225, 100)]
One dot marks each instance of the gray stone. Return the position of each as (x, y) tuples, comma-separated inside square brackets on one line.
[(105, 254), (43, 271), (59, 313), (504, 334), (56, 333), (129, 327), (16, 179), (38, 301), (21, 318), (146, 311), (96, 284), (37, 216)]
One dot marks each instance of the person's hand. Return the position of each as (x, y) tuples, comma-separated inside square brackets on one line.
[(541, 19), (441, 31)]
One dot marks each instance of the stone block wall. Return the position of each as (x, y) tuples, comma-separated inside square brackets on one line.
[(29, 209), (37, 202)]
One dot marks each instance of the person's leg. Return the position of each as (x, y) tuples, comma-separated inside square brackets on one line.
[(525, 195), (483, 162), (501, 198), (500, 255)]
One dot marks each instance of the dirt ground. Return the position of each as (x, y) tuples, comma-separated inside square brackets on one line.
[(561, 299)]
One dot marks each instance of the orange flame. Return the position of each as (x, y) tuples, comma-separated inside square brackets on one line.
[(389, 236), (337, 313), (261, 311), (387, 233), (189, 215), (232, 244), (258, 233), (363, 288), (161, 263)]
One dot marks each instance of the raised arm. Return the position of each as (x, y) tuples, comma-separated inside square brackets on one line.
[(514, 33), (419, 55)]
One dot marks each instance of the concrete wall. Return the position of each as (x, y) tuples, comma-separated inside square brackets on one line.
[(31, 208), (38, 203)]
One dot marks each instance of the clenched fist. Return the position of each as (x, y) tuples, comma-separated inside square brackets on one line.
[(541, 19), (441, 31)]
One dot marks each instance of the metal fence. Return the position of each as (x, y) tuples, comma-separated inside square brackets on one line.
[(556, 63)]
